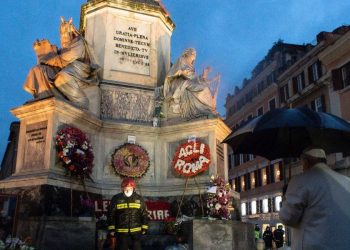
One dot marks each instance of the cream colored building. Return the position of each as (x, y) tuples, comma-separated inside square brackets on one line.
[(259, 181)]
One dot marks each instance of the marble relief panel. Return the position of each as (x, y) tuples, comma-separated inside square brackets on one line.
[(127, 104)]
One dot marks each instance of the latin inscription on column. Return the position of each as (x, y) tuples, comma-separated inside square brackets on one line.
[(35, 146), (132, 45)]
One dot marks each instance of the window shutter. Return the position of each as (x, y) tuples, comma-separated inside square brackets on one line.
[(256, 178), (313, 106), (337, 80), (295, 85), (249, 185), (272, 173), (268, 177), (281, 170), (282, 95), (273, 200), (323, 101), (310, 75), (259, 180), (319, 68)]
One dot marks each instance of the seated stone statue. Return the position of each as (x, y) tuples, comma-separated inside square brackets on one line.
[(185, 93), (63, 73)]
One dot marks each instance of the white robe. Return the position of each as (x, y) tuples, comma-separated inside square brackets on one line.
[(317, 207)]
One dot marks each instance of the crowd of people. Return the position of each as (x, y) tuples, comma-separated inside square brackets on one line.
[(277, 236)]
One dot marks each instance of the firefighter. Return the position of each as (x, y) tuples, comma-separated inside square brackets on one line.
[(127, 217)]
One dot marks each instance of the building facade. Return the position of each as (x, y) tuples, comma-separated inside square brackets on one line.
[(317, 77), (259, 181)]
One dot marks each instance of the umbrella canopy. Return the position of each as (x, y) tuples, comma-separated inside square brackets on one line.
[(282, 133)]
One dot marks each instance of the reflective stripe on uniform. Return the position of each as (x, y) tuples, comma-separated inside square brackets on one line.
[(134, 205), (136, 229), (126, 230), (144, 226), (122, 206), (125, 205), (111, 227)]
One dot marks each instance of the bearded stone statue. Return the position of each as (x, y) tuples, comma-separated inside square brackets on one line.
[(63, 73)]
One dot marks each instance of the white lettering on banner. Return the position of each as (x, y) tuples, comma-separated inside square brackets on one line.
[(101, 206), (191, 158), (158, 215), (191, 167)]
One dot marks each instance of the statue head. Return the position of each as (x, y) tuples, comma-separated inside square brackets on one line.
[(67, 32), (189, 55)]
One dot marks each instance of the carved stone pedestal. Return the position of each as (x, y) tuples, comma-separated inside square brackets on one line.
[(204, 234), (37, 161)]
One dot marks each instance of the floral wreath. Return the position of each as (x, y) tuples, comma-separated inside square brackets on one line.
[(130, 160), (219, 198), (75, 152), (191, 158)]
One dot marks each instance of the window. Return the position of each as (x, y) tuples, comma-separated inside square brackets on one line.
[(242, 183), (246, 158), (278, 200), (260, 111), (261, 87), (264, 176), (244, 209), (236, 160), (284, 93), (249, 117), (252, 179), (270, 78), (345, 74), (315, 72), (298, 83), (230, 161), (238, 184), (253, 206), (272, 104), (277, 171), (318, 104), (341, 77), (265, 205)]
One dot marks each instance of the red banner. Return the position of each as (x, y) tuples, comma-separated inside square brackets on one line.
[(157, 210)]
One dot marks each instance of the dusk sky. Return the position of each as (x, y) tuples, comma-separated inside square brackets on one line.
[(231, 36)]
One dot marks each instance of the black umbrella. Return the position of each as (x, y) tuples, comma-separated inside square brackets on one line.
[(283, 133)]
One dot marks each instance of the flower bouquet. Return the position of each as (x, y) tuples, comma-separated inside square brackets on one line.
[(219, 199), (75, 152)]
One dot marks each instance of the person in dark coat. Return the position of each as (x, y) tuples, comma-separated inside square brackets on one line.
[(278, 236), (127, 217), (267, 237)]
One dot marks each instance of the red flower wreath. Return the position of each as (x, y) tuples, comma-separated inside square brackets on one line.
[(75, 152), (130, 160), (191, 158)]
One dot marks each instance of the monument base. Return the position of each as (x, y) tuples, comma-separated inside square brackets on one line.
[(204, 234), (56, 233)]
